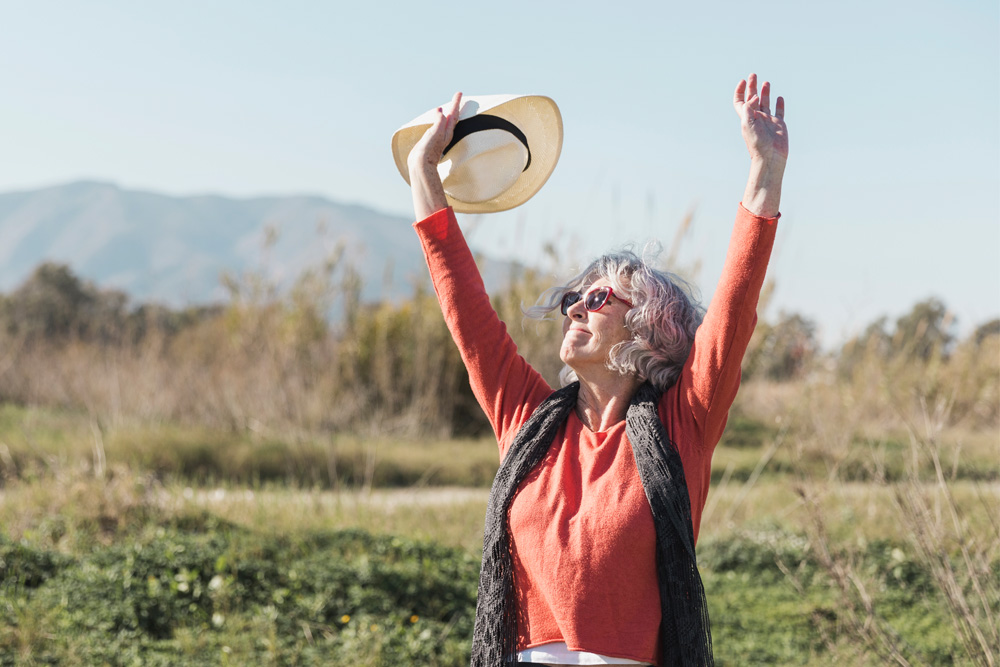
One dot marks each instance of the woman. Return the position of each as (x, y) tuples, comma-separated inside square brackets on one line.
[(589, 546)]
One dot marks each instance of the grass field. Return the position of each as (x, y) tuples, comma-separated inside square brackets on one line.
[(162, 544), (252, 489), (182, 575)]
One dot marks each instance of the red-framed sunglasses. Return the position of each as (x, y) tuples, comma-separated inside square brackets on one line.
[(593, 300)]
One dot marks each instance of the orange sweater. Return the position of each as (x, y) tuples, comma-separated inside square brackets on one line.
[(582, 530)]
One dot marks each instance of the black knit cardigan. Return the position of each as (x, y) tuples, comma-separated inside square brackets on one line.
[(685, 633)]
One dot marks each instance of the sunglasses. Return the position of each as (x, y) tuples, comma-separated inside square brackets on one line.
[(593, 300)]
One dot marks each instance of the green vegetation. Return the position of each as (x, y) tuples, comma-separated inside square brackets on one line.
[(199, 591), (152, 578), (246, 484)]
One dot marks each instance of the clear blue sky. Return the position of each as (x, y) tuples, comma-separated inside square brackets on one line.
[(892, 192)]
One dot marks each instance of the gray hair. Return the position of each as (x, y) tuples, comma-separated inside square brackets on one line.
[(663, 319)]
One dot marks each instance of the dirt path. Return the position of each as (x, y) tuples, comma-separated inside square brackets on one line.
[(383, 498)]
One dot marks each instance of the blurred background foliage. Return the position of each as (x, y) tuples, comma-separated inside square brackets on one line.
[(275, 359)]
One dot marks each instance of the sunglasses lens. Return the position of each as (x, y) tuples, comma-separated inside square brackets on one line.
[(596, 298), (569, 298)]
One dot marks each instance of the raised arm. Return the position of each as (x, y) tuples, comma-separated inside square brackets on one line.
[(767, 140), (506, 387), (711, 377)]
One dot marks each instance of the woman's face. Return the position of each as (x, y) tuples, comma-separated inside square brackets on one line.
[(589, 336)]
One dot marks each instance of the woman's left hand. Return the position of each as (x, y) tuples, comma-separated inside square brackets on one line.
[(766, 136)]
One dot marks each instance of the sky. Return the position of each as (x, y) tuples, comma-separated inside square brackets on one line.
[(891, 193)]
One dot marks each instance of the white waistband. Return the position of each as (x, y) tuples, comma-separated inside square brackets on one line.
[(559, 654)]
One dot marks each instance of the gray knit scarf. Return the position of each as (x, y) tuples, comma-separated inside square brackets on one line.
[(685, 635)]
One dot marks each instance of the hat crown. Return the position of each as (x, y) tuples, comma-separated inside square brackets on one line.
[(482, 166)]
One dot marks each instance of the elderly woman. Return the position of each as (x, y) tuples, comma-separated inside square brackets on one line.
[(588, 554)]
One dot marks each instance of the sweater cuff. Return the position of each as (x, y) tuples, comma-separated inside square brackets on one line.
[(435, 223), (770, 221)]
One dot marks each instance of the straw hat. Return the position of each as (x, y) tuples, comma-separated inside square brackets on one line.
[(504, 149)]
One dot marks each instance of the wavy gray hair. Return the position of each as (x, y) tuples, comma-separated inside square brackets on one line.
[(663, 319)]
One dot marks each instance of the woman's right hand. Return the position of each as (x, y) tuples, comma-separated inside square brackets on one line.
[(425, 184)]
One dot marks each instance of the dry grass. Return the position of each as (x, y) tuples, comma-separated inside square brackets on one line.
[(50, 509), (855, 512), (74, 509), (270, 363)]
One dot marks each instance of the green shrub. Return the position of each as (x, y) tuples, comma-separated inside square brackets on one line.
[(143, 601), (757, 552), (20, 565)]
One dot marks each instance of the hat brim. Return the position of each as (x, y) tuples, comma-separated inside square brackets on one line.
[(536, 116)]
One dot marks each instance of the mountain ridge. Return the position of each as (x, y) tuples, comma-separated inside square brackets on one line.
[(173, 249)]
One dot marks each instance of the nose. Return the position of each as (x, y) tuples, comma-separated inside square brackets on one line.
[(577, 311)]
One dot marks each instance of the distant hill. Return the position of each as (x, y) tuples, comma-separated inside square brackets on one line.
[(173, 249)]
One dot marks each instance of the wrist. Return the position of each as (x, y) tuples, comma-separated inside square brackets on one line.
[(767, 165), (425, 186), (421, 167), (763, 192), (766, 173)]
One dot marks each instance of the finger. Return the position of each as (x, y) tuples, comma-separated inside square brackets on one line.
[(438, 125), (752, 82), (453, 109), (765, 97), (751, 107), (451, 118), (741, 89), (429, 146), (779, 107)]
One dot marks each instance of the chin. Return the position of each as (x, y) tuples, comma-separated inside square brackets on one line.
[(566, 355)]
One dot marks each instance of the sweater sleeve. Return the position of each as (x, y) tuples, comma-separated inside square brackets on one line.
[(505, 385), (710, 378)]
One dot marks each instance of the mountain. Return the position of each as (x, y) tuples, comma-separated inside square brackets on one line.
[(173, 250)]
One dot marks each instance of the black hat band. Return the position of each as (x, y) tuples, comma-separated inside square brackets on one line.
[(487, 122)]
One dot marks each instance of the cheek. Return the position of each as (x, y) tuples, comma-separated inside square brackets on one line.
[(612, 336), (624, 335)]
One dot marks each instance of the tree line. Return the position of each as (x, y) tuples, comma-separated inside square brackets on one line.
[(274, 357)]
